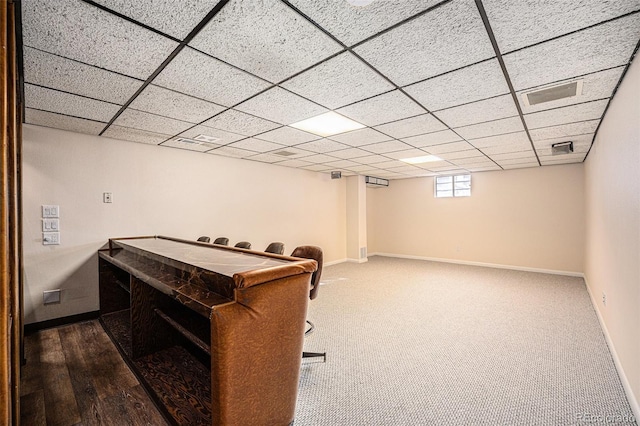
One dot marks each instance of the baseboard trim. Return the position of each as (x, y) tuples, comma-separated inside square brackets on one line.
[(57, 322), (482, 264), (633, 401), (335, 262)]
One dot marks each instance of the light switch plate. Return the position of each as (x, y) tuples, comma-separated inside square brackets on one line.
[(50, 296), (50, 211), (107, 197), (50, 225), (50, 238)]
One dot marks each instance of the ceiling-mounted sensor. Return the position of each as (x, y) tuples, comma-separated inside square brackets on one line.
[(562, 148), (554, 93)]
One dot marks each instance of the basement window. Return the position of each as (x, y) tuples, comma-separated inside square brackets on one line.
[(453, 186)]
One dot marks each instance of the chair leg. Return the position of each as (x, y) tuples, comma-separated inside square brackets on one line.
[(315, 355)]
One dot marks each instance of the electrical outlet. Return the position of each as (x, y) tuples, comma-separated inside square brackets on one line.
[(604, 299), (107, 197), (51, 296), (50, 211)]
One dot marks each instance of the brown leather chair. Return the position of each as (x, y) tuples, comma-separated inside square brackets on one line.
[(315, 253), (223, 241), (277, 248), (204, 239), (243, 244)]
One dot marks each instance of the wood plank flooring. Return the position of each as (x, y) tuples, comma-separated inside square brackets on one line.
[(75, 376)]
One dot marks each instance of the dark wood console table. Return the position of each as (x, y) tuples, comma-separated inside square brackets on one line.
[(214, 333)]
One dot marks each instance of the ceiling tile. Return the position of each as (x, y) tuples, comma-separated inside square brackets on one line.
[(320, 158), (450, 169), (76, 30), (563, 159), (372, 159), (45, 69), (390, 164), (256, 145), (228, 151), (223, 137), (381, 109), (317, 167), (517, 24), (240, 122), (175, 18), (64, 103), (470, 154), (491, 128), (141, 120), (449, 147), (594, 49), (64, 122), (288, 136), (134, 135), (202, 76), (281, 106), (473, 162), (529, 159), (435, 138), (339, 81), (563, 130), (350, 153), (406, 168), (484, 168), (418, 125), (507, 139), (351, 24), (265, 38), (451, 36), (359, 168), (190, 146), (360, 137), (322, 145), (294, 163), (266, 158), (521, 166), (161, 101), (470, 84), (506, 148), (478, 112), (595, 86), (342, 163), (384, 147), (569, 114)]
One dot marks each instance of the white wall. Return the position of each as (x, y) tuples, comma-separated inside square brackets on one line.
[(157, 191), (526, 218), (612, 253)]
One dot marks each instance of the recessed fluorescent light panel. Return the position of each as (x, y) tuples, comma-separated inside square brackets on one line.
[(567, 90), (327, 124), (420, 160), (205, 138)]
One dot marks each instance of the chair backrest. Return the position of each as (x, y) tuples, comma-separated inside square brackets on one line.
[(204, 239), (243, 244), (223, 241), (277, 248), (315, 253)]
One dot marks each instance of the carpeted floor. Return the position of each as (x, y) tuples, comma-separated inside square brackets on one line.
[(413, 342)]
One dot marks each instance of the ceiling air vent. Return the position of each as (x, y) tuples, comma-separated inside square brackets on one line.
[(562, 148), (566, 90), (374, 182), (285, 153), (188, 141), (205, 138)]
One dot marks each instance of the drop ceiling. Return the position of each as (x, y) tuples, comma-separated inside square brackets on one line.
[(425, 77)]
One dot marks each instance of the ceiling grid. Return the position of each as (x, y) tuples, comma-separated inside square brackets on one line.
[(445, 78)]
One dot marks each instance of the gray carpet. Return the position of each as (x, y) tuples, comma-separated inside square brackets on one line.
[(413, 342)]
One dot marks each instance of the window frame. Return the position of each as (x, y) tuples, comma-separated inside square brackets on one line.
[(441, 188)]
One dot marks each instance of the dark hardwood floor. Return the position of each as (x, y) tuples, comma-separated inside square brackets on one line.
[(75, 376)]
